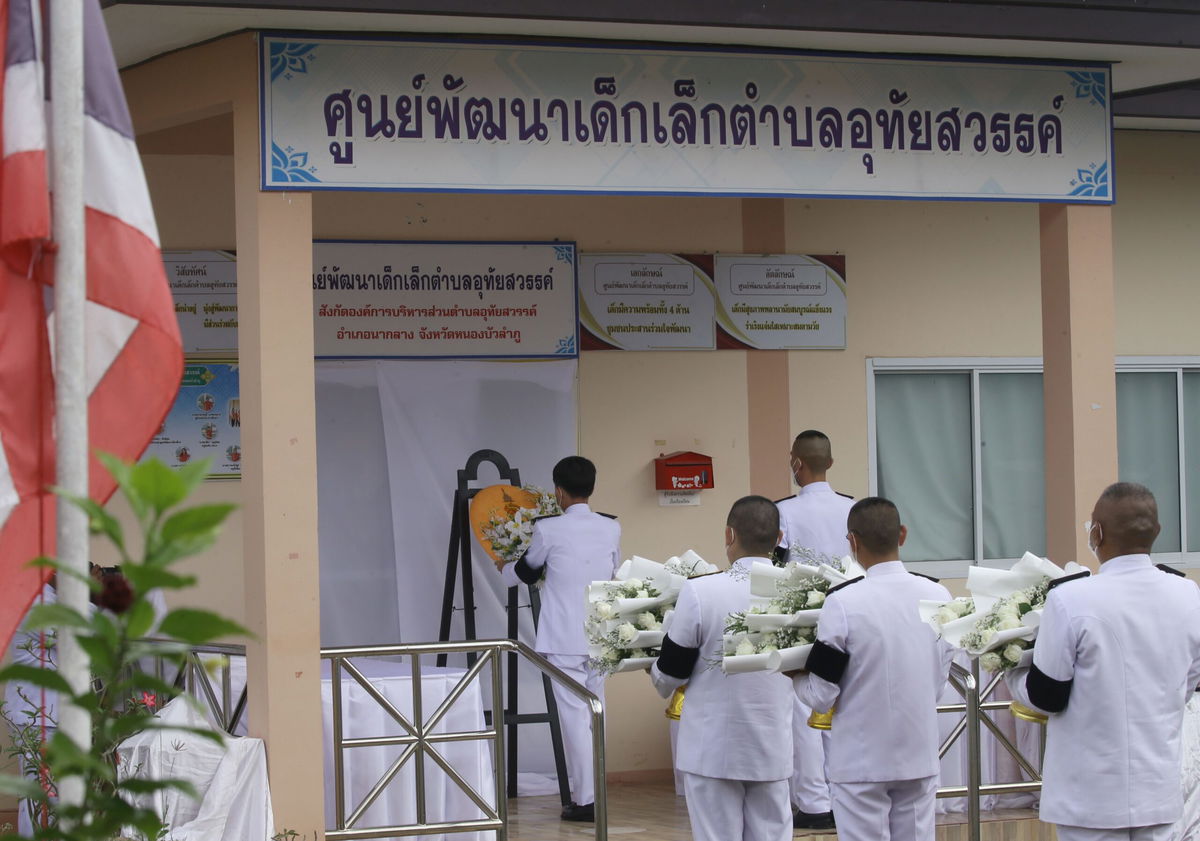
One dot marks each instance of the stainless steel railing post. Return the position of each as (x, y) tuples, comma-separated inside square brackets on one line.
[(974, 759)]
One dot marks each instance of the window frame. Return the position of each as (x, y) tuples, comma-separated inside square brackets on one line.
[(974, 366)]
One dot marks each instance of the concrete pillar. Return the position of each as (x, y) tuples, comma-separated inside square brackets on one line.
[(767, 386), (279, 476), (1078, 349)]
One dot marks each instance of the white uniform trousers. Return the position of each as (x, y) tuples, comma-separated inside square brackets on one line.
[(575, 719), (902, 810), (737, 810), (1158, 832), (808, 786)]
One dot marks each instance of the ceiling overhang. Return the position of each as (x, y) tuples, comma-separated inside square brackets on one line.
[(1154, 48)]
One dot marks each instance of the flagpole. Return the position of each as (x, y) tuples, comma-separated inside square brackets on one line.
[(70, 296)]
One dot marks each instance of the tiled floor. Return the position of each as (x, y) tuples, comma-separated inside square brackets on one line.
[(654, 812)]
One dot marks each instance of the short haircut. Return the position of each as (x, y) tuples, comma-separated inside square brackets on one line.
[(1131, 515), (875, 521), (575, 475), (755, 521), (812, 447)]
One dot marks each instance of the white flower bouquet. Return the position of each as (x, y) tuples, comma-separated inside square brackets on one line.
[(626, 618), (999, 622), (510, 529), (777, 632)]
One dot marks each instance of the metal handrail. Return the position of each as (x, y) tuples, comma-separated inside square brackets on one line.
[(973, 706), (419, 742)]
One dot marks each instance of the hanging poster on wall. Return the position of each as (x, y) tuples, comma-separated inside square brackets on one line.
[(444, 299), (205, 422), (377, 113), (645, 302), (781, 302), (204, 286)]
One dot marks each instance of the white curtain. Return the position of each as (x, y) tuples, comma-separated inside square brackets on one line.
[(1013, 455), (923, 430), (1148, 444), (392, 436)]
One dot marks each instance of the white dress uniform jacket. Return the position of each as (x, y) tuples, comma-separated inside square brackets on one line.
[(1121, 650), (734, 727), (576, 548), (885, 725), (814, 520)]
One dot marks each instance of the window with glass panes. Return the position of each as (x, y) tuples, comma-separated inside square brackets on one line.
[(958, 444)]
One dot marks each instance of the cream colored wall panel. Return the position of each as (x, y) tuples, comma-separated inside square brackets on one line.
[(1156, 232)]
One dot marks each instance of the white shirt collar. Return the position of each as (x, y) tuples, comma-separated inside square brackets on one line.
[(578, 508), (1125, 563), (817, 488), (886, 568)]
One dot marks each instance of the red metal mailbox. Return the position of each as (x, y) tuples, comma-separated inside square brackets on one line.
[(683, 471)]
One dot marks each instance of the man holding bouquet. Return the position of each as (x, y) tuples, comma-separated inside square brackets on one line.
[(883, 668), (567, 552), (814, 530), (734, 744), (1116, 659)]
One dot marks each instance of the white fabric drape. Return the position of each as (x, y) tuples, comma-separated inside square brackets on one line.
[(392, 435), (923, 424), (1148, 444)]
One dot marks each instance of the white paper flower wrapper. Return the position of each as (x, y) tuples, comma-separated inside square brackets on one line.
[(627, 607), (765, 578), (788, 659), (736, 664), (647, 639), (775, 621), (1026, 572), (634, 664), (853, 569)]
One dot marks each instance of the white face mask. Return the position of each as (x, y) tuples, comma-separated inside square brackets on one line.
[(1092, 547)]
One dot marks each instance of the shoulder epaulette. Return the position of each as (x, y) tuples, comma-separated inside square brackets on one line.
[(844, 585), (544, 517), (610, 516), (923, 575), (1067, 578), (1171, 570), (848, 496), (785, 499)]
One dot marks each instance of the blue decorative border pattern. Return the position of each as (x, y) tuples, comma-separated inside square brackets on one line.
[(1090, 86), (566, 346), (287, 59), (566, 253), (290, 165), (1092, 181)]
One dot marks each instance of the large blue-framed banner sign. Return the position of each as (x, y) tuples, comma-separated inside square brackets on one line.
[(444, 299), (421, 114)]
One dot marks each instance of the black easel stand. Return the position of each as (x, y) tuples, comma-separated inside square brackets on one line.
[(459, 556)]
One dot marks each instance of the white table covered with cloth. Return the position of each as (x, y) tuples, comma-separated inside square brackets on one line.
[(231, 779), (364, 717)]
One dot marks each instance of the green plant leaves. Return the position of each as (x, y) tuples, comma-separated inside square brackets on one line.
[(199, 626), (43, 678)]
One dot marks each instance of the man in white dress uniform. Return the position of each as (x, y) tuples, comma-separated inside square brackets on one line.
[(734, 746), (1116, 659), (571, 550), (814, 528), (883, 668)]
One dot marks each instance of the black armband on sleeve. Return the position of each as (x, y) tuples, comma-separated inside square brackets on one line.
[(675, 660), (1047, 693), (827, 662), (527, 573)]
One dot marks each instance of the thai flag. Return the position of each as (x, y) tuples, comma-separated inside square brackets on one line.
[(134, 356)]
